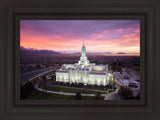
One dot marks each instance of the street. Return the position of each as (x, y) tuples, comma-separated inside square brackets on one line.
[(29, 75)]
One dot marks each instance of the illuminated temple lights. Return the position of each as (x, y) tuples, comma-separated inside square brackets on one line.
[(84, 72)]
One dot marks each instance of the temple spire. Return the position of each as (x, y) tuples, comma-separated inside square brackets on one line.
[(83, 59), (83, 41)]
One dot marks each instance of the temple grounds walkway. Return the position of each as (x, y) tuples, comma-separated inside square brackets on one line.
[(62, 93), (78, 88), (112, 95), (107, 96)]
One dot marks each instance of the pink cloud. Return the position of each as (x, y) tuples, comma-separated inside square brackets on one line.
[(128, 39)]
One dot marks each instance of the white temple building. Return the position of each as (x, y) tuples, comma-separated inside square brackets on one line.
[(84, 72)]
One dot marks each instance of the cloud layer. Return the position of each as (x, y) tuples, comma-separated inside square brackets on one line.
[(68, 35)]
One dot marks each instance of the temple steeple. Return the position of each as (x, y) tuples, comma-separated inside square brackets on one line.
[(83, 42), (83, 58), (83, 53)]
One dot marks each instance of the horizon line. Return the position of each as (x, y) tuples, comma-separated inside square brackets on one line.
[(71, 52)]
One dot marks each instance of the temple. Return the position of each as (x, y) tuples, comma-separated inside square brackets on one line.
[(84, 72)]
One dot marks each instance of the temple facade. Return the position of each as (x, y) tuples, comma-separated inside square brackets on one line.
[(84, 72)]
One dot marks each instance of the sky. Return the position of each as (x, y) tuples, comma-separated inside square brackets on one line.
[(67, 35)]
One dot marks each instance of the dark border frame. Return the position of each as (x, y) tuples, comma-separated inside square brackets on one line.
[(11, 11)]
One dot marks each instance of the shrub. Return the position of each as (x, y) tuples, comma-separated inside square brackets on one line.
[(26, 90), (78, 96), (98, 96)]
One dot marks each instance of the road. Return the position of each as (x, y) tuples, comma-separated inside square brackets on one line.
[(112, 96), (29, 75)]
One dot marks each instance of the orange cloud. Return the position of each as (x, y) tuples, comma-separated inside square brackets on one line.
[(127, 42)]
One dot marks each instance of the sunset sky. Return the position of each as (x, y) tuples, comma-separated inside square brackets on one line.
[(68, 35)]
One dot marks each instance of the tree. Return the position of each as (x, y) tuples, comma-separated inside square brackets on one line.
[(23, 92), (125, 92), (26, 90), (78, 96), (44, 77), (98, 96)]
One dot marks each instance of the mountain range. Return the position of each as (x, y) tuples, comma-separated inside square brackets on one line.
[(31, 51), (35, 51)]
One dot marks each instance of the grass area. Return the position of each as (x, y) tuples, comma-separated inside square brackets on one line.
[(70, 90), (38, 95), (111, 90), (48, 96)]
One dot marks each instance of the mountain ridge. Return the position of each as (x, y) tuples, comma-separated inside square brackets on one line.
[(24, 50)]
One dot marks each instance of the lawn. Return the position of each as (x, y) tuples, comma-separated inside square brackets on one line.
[(38, 95), (70, 90)]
